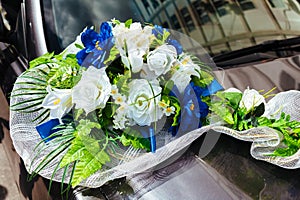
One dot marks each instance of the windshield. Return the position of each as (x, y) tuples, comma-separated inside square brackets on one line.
[(218, 25)]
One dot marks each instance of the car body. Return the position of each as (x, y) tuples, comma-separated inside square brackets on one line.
[(233, 33)]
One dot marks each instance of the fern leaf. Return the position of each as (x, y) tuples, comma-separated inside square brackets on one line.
[(88, 166)]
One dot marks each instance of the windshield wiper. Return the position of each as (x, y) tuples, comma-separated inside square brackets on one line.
[(275, 49)]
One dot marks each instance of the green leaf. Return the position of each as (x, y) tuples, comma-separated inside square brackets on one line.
[(28, 89), (128, 23), (85, 126), (205, 79), (122, 83), (233, 98), (34, 84), (26, 109), (175, 102), (134, 138), (112, 56), (65, 74), (168, 87), (41, 60), (42, 117), (86, 152), (88, 165), (41, 93), (223, 112), (48, 158), (38, 80), (115, 21), (74, 153), (283, 152), (79, 46), (40, 99), (166, 35)]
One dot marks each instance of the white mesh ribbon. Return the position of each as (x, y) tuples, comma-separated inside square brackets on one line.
[(264, 141)]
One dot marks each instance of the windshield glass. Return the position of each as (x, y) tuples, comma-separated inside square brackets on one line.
[(218, 25)]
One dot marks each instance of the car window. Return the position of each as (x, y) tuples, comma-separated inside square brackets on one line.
[(218, 25)]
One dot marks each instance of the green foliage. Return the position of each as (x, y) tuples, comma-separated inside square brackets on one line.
[(134, 138), (242, 119), (61, 140), (113, 54), (65, 72), (168, 87), (44, 59), (289, 129), (85, 126), (87, 163), (115, 21), (122, 82), (233, 98), (205, 79), (128, 23), (88, 153), (222, 111), (79, 46)]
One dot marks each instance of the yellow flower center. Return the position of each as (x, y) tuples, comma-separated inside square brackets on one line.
[(113, 92), (119, 99), (185, 61), (57, 101), (169, 110), (162, 104), (192, 107), (97, 46)]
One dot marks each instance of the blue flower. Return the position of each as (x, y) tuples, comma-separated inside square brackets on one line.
[(193, 104), (105, 31), (192, 110), (97, 46)]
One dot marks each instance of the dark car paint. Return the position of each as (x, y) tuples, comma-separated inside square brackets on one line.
[(265, 74)]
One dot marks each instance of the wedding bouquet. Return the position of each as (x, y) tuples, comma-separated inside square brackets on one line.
[(124, 100)]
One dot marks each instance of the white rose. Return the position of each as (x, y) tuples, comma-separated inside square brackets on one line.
[(93, 90), (251, 99), (143, 102), (159, 61)]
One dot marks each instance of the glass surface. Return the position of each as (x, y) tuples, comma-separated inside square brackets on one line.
[(218, 25)]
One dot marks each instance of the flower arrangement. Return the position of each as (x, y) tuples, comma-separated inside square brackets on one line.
[(124, 88)]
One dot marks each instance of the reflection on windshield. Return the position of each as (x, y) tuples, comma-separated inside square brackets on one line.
[(218, 25)]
